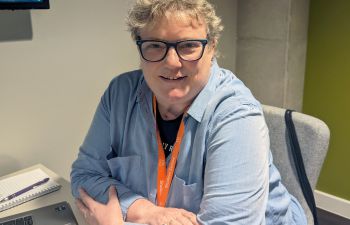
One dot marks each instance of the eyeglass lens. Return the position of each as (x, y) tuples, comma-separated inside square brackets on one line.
[(190, 50)]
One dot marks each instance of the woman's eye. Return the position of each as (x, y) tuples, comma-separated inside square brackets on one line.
[(154, 45), (189, 45)]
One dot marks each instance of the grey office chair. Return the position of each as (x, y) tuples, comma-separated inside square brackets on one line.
[(313, 135)]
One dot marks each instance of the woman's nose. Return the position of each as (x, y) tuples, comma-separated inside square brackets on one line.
[(172, 58)]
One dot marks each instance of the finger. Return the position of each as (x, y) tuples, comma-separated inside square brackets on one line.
[(175, 222), (182, 219), (114, 202), (85, 212), (112, 194), (191, 216), (113, 198), (82, 208), (85, 198)]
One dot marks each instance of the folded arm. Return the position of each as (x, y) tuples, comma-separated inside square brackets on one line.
[(236, 172), (90, 170)]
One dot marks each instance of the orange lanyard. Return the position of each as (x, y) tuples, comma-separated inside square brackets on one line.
[(165, 176)]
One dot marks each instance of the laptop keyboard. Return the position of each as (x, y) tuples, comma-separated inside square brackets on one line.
[(27, 220)]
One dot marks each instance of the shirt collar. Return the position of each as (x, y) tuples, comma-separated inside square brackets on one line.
[(144, 98), (200, 103)]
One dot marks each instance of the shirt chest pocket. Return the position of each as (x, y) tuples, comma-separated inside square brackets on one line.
[(185, 196), (126, 170)]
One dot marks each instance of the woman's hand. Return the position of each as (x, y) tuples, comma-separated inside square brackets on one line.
[(143, 211), (171, 216), (96, 213)]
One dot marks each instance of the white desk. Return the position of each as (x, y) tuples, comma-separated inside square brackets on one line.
[(63, 194)]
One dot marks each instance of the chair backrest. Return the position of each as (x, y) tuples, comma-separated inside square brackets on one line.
[(313, 135)]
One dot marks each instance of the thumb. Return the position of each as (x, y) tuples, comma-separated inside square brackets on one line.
[(113, 198), (112, 194)]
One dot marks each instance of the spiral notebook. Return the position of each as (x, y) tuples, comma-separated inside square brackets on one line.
[(15, 184)]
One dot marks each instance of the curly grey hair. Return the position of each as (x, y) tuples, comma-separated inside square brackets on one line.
[(148, 12)]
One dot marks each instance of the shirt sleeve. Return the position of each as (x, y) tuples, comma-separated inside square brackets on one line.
[(90, 170), (236, 177)]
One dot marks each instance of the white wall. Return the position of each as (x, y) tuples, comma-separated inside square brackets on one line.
[(264, 44), (227, 11), (55, 65), (50, 83), (271, 49)]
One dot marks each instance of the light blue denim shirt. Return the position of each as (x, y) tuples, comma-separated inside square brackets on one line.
[(224, 171)]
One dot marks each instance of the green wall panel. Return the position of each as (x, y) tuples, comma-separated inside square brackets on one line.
[(327, 88)]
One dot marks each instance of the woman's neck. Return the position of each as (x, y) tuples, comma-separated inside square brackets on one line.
[(171, 111)]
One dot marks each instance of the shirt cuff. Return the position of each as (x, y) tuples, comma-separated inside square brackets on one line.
[(126, 199)]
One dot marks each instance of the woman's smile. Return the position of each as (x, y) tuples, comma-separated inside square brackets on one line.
[(173, 78)]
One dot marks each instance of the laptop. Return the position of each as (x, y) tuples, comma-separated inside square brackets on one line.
[(55, 214)]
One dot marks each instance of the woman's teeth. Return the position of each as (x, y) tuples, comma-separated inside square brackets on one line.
[(173, 78)]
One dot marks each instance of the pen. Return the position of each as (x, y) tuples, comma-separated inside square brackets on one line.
[(24, 190)]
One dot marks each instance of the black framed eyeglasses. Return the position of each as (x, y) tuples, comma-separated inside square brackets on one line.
[(187, 50)]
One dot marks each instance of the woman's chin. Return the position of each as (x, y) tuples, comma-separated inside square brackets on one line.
[(178, 99), (175, 96)]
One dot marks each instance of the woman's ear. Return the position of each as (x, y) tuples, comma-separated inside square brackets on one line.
[(212, 47)]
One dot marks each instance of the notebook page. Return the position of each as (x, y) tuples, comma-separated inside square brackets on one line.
[(18, 182)]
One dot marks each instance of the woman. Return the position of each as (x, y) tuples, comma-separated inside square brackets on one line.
[(182, 140)]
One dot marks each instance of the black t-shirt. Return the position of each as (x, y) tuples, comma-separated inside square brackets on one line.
[(168, 131)]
